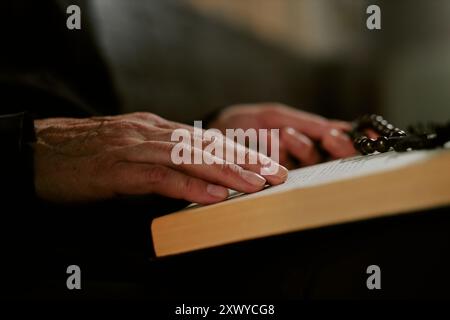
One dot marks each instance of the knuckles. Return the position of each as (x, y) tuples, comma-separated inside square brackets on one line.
[(230, 169), (128, 125), (146, 116), (188, 186), (103, 162), (273, 108), (156, 174)]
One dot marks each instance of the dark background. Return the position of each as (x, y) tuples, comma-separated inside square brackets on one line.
[(183, 58)]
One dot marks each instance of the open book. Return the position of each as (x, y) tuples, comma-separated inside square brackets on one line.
[(330, 193)]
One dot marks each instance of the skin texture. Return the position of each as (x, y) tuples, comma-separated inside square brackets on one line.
[(300, 132), (82, 160)]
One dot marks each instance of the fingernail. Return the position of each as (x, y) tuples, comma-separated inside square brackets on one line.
[(304, 140), (339, 134), (253, 178), (290, 131), (345, 137), (300, 137), (334, 133), (282, 171), (217, 191), (270, 167), (279, 171)]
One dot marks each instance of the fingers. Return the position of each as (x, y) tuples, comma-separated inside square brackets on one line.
[(372, 134), (138, 178), (284, 157), (211, 168), (300, 146), (227, 174), (341, 125), (337, 144), (157, 146), (234, 152), (310, 124), (331, 133), (271, 170)]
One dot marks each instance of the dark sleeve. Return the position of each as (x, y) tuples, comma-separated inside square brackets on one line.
[(47, 69), (16, 193), (16, 162)]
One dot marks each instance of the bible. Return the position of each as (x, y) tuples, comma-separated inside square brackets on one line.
[(335, 192)]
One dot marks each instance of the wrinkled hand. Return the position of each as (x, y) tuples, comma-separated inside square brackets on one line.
[(299, 131), (102, 157)]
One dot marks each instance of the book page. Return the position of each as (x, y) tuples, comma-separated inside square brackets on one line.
[(345, 169)]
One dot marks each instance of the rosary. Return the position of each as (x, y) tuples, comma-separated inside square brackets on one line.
[(415, 138)]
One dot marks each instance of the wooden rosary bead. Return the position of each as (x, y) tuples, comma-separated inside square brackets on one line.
[(381, 126), (368, 146), (398, 133), (358, 141), (382, 144), (418, 137)]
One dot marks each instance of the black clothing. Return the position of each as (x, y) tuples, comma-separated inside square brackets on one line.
[(49, 71), (46, 70)]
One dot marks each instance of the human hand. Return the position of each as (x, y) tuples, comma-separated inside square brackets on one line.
[(78, 160), (299, 130)]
